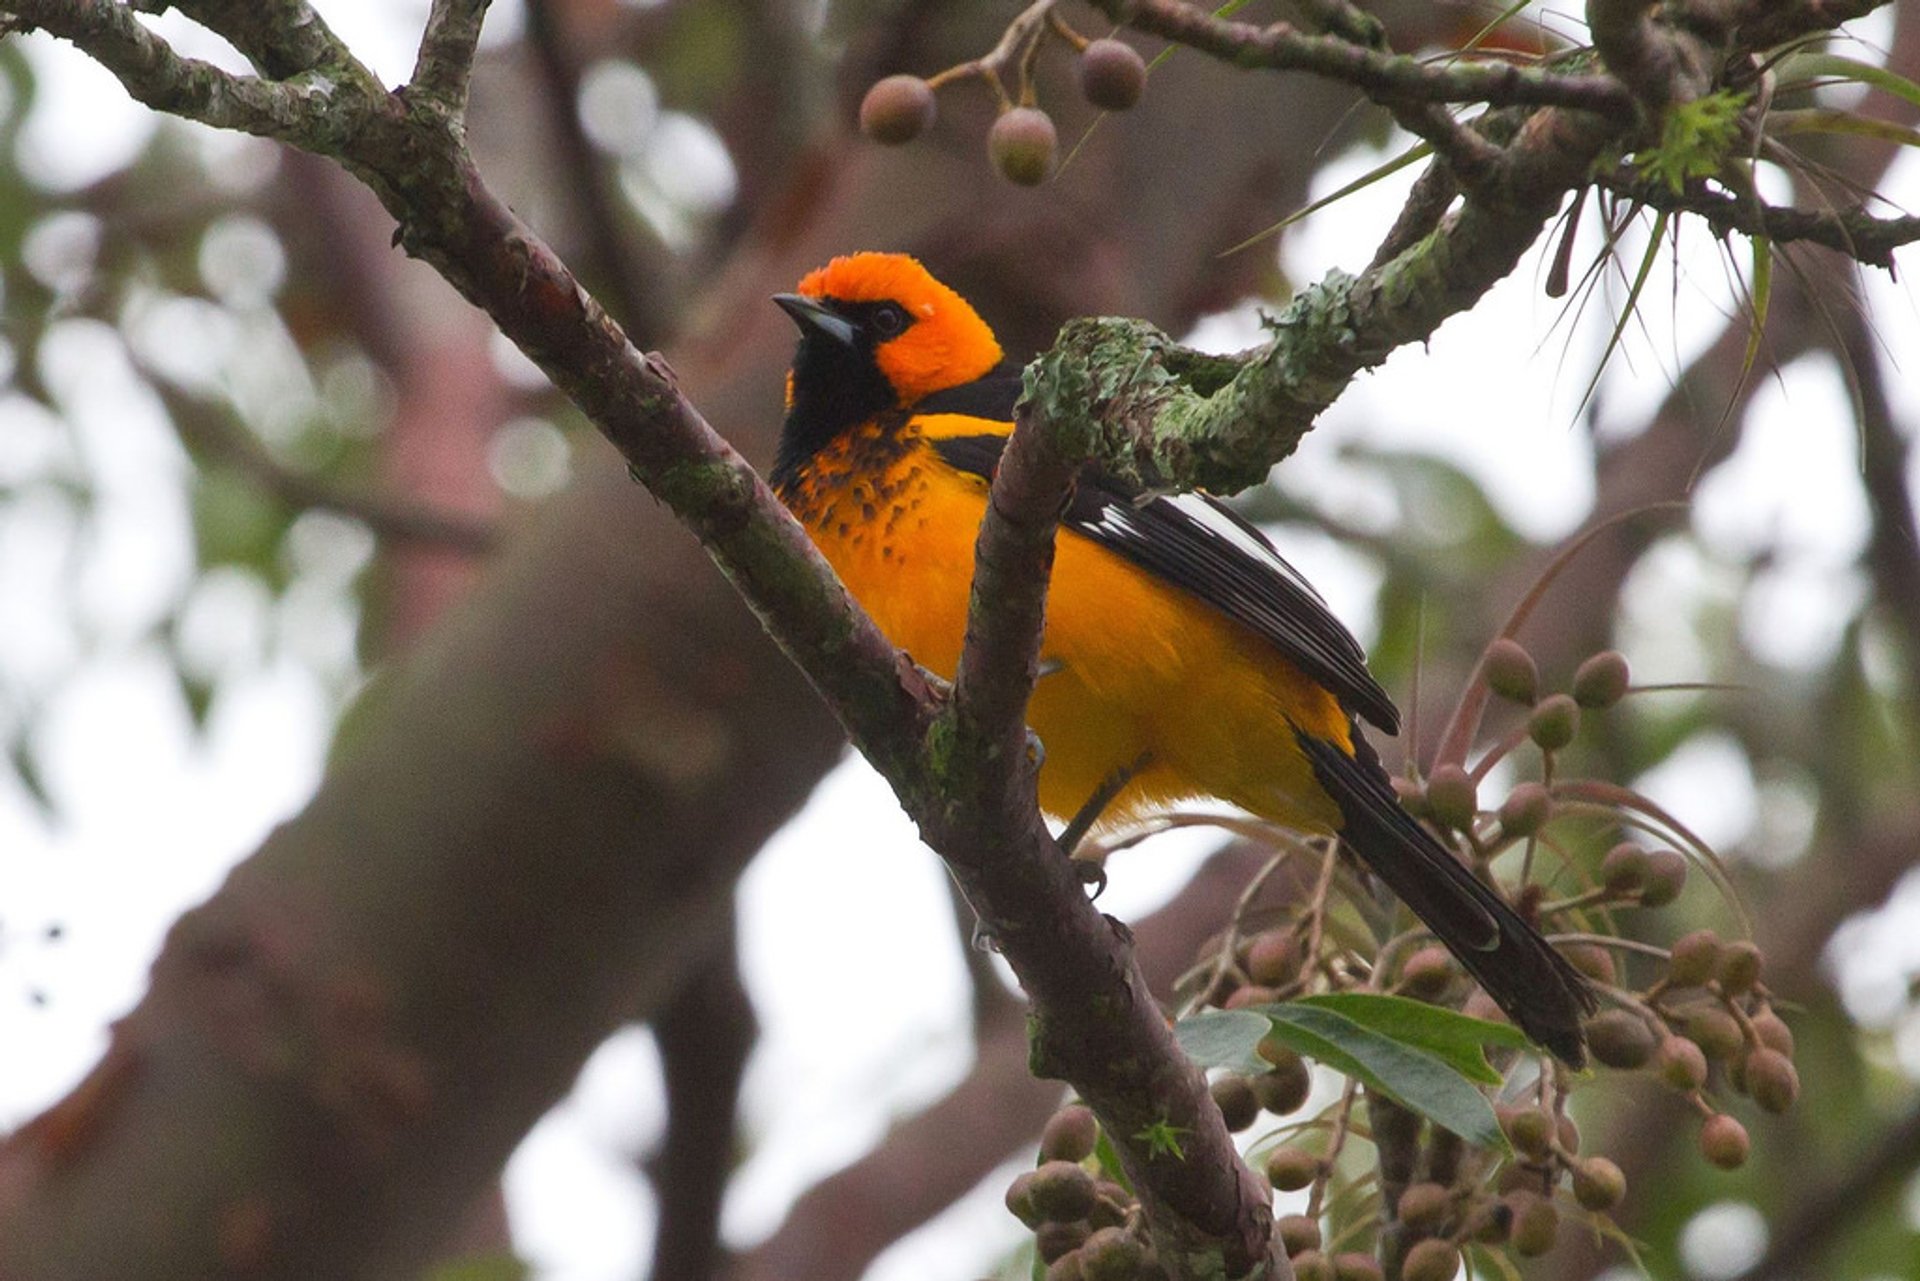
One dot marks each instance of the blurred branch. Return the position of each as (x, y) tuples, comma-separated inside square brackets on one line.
[(1387, 76), (444, 67), (210, 430), (1823, 1213), (926, 1162), (621, 251), (705, 1034)]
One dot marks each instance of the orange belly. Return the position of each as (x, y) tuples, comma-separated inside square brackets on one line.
[(1139, 668)]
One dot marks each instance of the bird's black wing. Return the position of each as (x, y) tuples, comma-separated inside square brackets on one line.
[(1195, 543)]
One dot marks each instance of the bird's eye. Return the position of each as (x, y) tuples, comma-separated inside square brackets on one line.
[(889, 319)]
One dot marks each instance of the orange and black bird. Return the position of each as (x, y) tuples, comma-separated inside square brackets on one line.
[(1177, 640)]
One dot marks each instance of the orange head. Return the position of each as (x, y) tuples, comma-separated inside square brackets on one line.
[(877, 332)]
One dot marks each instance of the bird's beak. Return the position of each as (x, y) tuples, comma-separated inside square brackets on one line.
[(812, 317)]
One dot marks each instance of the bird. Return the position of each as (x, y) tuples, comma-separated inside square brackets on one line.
[(1182, 656)]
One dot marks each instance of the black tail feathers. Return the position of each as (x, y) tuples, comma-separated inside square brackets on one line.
[(1539, 990)]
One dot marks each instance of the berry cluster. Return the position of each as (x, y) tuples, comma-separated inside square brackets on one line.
[(1023, 143), (1699, 1021)]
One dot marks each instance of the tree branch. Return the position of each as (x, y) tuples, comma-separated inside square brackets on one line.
[(1852, 231), (444, 67), (1280, 47)]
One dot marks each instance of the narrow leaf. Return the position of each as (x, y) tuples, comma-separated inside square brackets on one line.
[(1419, 151), (1812, 66), (1822, 120)]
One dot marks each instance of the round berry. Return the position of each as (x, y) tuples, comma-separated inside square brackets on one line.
[(1715, 1031), (1528, 1130), (1290, 1169), (1297, 1232), (1070, 1134), (1681, 1063), (1554, 722), (1354, 1266), (1773, 1032), (1062, 1192), (1054, 1241), (1427, 973), (1239, 1106), (1739, 968), (1111, 1254), (1602, 680), (1694, 958), (1510, 671), (1536, 1224), (1284, 1089), (1598, 1184), (1112, 75), (1021, 145), (1526, 810), (1772, 1080), (897, 109), (1724, 1142), (1620, 1039), (1430, 1260), (1273, 957), (1311, 1265), (1424, 1206), (1666, 877), (1624, 870)]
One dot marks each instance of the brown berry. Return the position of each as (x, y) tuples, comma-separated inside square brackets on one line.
[(1053, 1241), (1694, 958), (1592, 960), (1681, 1063), (1354, 1266), (1290, 1169), (1724, 1142), (1021, 145), (1311, 1265), (1278, 1053), (897, 109), (1739, 968), (1111, 1254), (1427, 973), (1510, 671), (1297, 1232), (1020, 1199), (1773, 1032), (1239, 1106), (1490, 1222), (1526, 810), (1602, 680), (1666, 877), (1620, 1039), (1070, 1134), (1273, 957), (1554, 722), (1772, 1080), (1111, 1206), (1598, 1184), (1250, 994), (1528, 1130), (1284, 1089), (1451, 798), (1067, 1267), (1483, 1007), (1536, 1224), (1624, 870), (1430, 1260), (1112, 75), (1715, 1031), (1424, 1207), (1062, 1192)]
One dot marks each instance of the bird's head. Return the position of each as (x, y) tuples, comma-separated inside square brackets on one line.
[(877, 332)]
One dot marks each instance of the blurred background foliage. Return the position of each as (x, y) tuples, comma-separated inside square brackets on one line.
[(247, 457)]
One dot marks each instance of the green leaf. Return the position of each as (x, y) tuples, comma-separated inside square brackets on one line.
[(1417, 1079), (1454, 1038), (482, 1267), (1419, 151), (1814, 66), (1108, 1160), (1224, 1039), (1823, 120)]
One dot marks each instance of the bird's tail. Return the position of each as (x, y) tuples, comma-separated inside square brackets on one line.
[(1539, 990)]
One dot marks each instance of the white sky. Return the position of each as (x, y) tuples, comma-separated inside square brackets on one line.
[(153, 815)]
